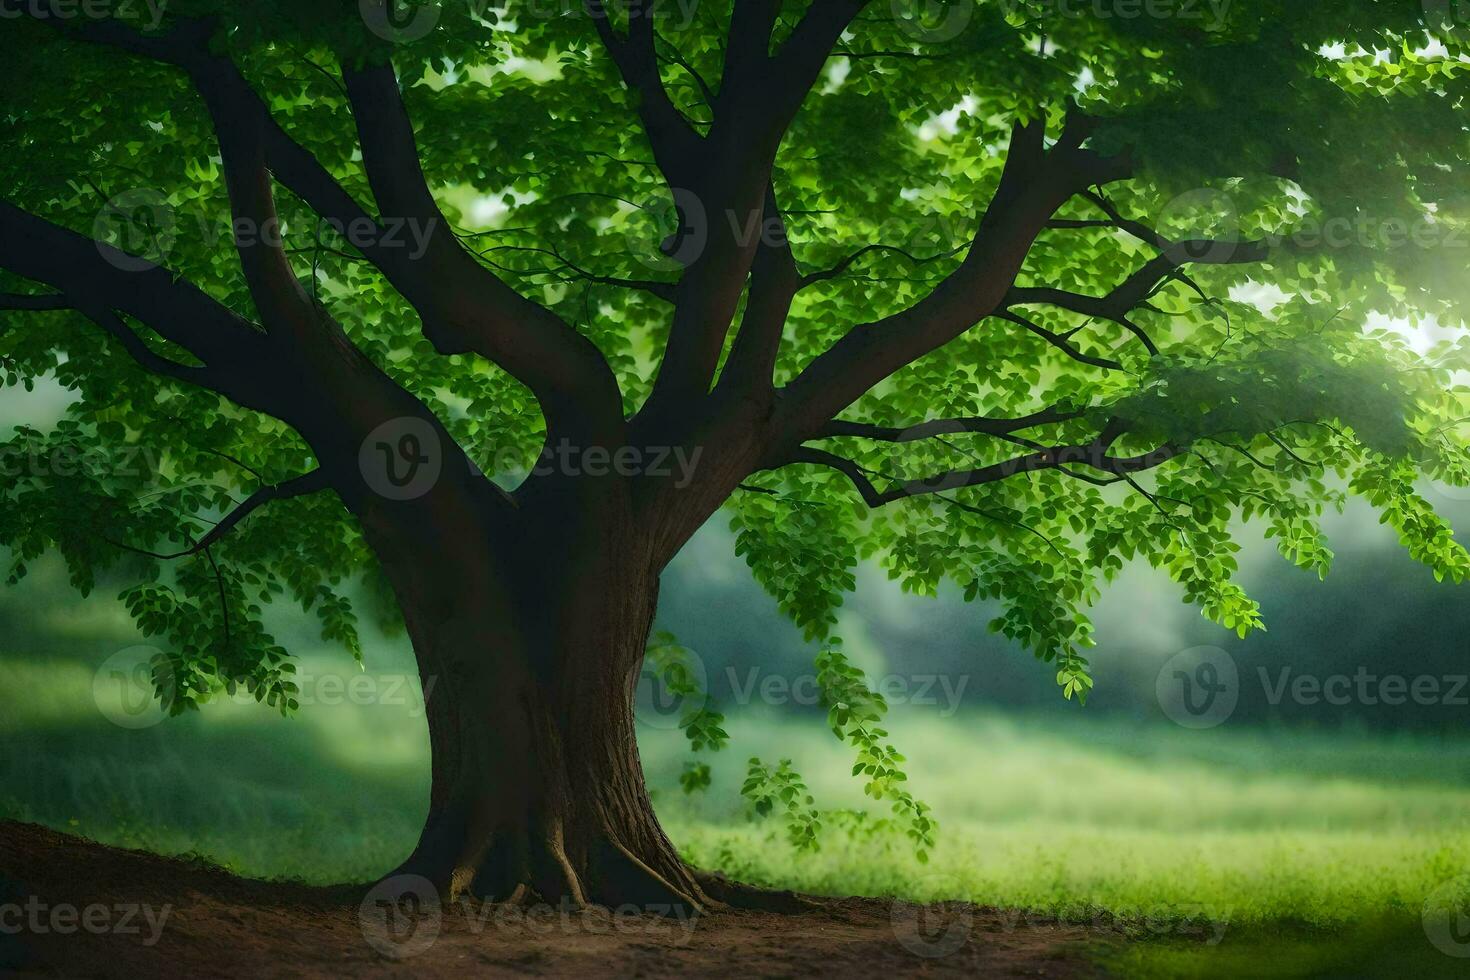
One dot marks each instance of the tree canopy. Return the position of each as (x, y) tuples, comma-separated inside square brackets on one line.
[(1040, 288)]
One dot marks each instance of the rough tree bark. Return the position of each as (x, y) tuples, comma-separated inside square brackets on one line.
[(530, 635), (537, 787)]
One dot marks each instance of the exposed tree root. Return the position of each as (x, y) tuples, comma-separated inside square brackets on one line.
[(628, 880), (613, 878), (518, 868), (739, 895), (558, 852)]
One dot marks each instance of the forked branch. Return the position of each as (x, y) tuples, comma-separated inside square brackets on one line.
[(300, 486), (1094, 455)]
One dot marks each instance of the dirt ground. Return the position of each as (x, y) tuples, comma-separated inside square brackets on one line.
[(73, 908)]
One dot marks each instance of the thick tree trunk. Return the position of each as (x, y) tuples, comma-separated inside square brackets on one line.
[(537, 789), (537, 786)]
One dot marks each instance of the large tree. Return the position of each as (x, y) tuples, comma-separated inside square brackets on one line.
[(1007, 293)]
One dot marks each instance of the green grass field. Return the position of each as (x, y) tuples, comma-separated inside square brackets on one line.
[(1227, 853)]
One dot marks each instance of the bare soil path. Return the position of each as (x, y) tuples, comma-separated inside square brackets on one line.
[(73, 908)]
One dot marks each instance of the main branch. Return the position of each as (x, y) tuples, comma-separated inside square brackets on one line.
[(1034, 184), (464, 306)]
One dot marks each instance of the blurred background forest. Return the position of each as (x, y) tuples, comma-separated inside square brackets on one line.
[(1287, 814)]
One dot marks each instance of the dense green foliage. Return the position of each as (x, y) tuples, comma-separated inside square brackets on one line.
[(1309, 160)]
